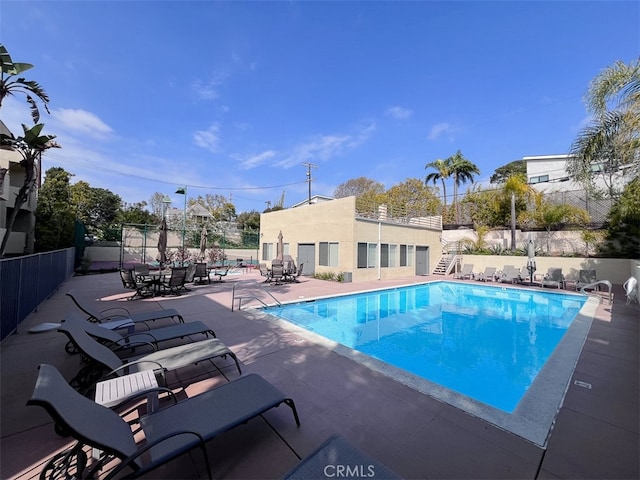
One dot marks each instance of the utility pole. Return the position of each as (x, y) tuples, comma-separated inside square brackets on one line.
[(309, 167)]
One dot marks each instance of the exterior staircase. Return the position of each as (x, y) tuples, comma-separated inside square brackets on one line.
[(450, 256)]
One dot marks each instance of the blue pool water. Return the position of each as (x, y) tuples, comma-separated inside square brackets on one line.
[(485, 342)]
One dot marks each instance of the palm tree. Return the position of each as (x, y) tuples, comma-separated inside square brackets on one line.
[(462, 170), (442, 173), (613, 137), (31, 146), (12, 84)]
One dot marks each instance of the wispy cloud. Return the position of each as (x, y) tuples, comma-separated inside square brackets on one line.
[(208, 139), (255, 160), (81, 121), (440, 129), (399, 113), (209, 89), (325, 147)]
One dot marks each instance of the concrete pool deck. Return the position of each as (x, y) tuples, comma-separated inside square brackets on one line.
[(596, 433)]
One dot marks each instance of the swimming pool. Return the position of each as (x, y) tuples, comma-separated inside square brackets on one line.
[(480, 347)]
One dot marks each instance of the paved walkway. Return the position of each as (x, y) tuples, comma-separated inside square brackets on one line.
[(596, 433)]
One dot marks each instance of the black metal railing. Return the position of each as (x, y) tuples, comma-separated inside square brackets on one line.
[(27, 281)]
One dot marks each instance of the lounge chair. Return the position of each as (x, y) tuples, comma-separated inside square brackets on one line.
[(488, 275), (118, 341), (265, 272), (168, 433), (510, 275), (143, 288), (586, 278), (630, 290), (102, 359), (175, 283), (298, 273), (201, 273), (221, 273), (553, 278), (465, 273), (121, 314)]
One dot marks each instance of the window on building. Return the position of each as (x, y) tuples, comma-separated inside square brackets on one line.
[(328, 254), (539, 179), (384, 255), (406, 255), (393, 255), (267, 251), (367, 253)]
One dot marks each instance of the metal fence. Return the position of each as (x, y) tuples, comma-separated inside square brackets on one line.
[(27, 281)]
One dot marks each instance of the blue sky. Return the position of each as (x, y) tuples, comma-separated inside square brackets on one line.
[(232, 98)]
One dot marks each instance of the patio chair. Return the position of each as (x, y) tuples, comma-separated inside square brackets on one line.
[(510, 275), (168, 433), (201, 273), (465, 273), (152, 338), (103, 362), (586, 278), (298, 273), (221, 273), (487, 275), (277, 273), (141, 271), (143, 288), (553, 278), (630, 290), (122, 315), (175, 283), (265, 272)]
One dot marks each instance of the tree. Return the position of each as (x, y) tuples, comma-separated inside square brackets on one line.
[(550, 216), (97, 208), (442, 173), (30, 146), (623, 230), (137, 213), (501, 174), (249, 220), (358, 187), (54, 214), (411, 198), (12, 84), (611, 143), (462, 170)]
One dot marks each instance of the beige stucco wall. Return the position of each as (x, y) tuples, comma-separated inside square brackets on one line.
[(335, 221), (616, 270)]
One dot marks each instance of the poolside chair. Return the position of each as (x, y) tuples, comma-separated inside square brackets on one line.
[(143, 288), (265, 272), (630, 290), (553, 278), (175, 283), (465, 273), (298, 273), (141, 271), (221, 273), (152, 338), (201, 273), (488, 275), (586, 278), (123, 316), (510, 275), (168, 433), (103, 362), (277, 273)]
